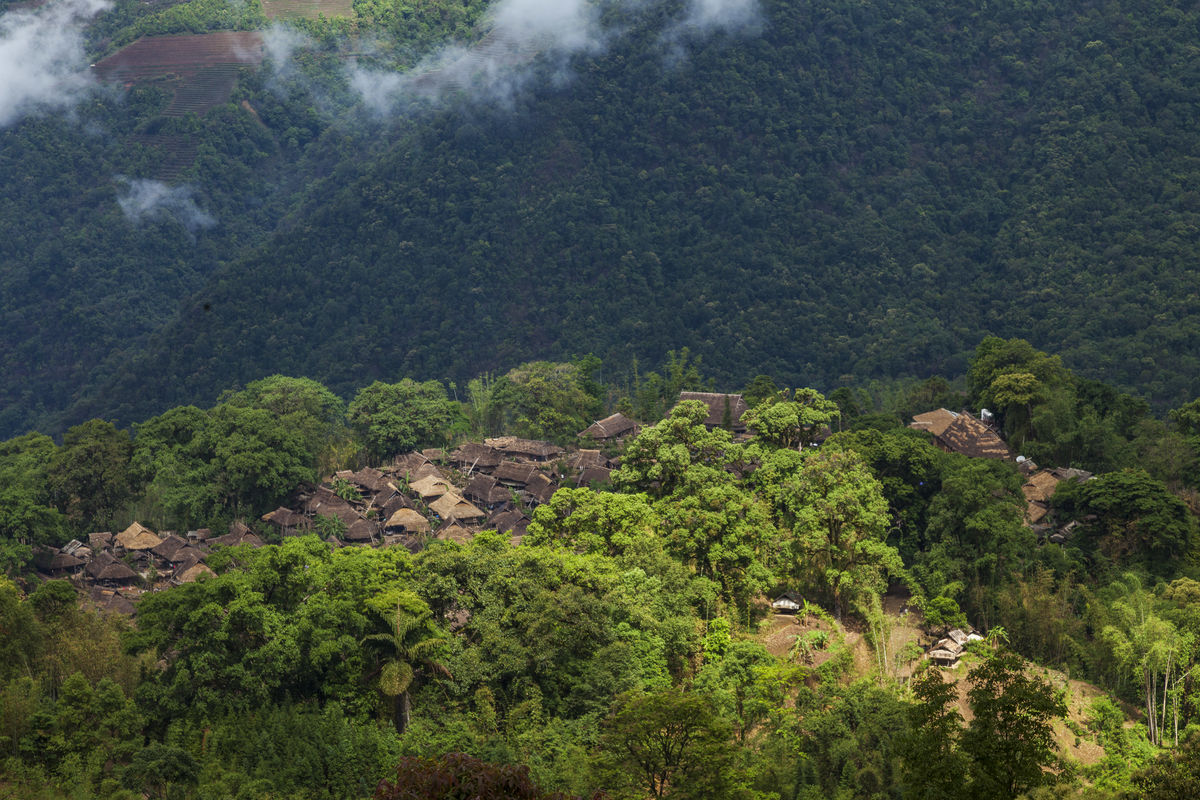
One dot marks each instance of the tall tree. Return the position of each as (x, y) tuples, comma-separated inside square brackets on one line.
[(1010, 740), (409, 641)]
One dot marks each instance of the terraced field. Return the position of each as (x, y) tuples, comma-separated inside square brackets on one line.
[(308, 9), (199, 69)]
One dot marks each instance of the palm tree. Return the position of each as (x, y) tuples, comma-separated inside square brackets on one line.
[(410, 642)]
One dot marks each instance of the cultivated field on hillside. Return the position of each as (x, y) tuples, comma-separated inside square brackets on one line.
[(200, 69), (308, 9)]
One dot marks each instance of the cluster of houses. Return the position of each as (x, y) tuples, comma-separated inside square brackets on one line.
[(494, 485), (976, 437), (433, 494), (947, 650)]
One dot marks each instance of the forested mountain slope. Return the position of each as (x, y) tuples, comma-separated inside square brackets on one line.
[(839, 189)]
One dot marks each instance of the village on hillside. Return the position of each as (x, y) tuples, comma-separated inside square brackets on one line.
[(492, 485)]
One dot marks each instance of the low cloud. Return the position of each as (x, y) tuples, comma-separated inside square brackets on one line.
[(729, 15), (43, 66), (142, 199), (494, 69)]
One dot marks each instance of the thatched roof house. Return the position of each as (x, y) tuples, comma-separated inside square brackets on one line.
[(409, 520), (360, 531), (514, 473), (527, 449), (475, 456), (721, 408), (430, 487), (190, 574), (288, 522), (962, 433), (138, 537), (610, 428), (451, 506)]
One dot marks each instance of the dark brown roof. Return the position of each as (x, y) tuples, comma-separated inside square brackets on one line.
[(593, 475), (168, 546), (529, 448), (541, 487), (361, 531), (116, 571), (484, 489), (393, 504), (370, 479), (184, 555), (407, 464), (54, 560), (717, 403), (508, 522), (514, 473), (973, 438), (286, 518), (234, 539), (473, 456), (610, 427), (99, 541)]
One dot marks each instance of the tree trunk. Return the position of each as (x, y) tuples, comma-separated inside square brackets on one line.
[(401, 711)]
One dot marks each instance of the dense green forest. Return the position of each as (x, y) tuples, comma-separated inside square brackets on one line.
[(831, 193), (623, 648)]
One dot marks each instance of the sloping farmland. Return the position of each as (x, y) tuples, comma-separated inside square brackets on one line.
[(308, 9), (199, 70)]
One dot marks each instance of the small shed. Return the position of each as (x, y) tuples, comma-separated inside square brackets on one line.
[(409, 520), (787, 603)]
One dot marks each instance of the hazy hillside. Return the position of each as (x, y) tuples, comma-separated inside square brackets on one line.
[(813, 191)]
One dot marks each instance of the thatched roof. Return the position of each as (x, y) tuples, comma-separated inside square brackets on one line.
[(1035, 512), (453, 532), (190, 574), (370, 479), (473, 456), (593, 475), (451, 506), (168, 546), (508, 522), (1040, 486), (393, 504), (582, 459), (56, 560), (973, 438), (286, 518), (116, 571), (717, 405), (434, 454), (484, 489), (138, 537), (361, 531), (100, 541), (541, 488), (406, 464), (529, 448), (514, 473), (610, 427), (431, 486), (235, 539), (409, 520), (934, 421)]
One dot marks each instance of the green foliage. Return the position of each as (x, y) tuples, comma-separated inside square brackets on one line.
[(837, 518), (400, 417), (88, 476), (592, 522), (668, 744), (1130, 519), (933, 764), (545, 400), (1010, 739), (792, 421)]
